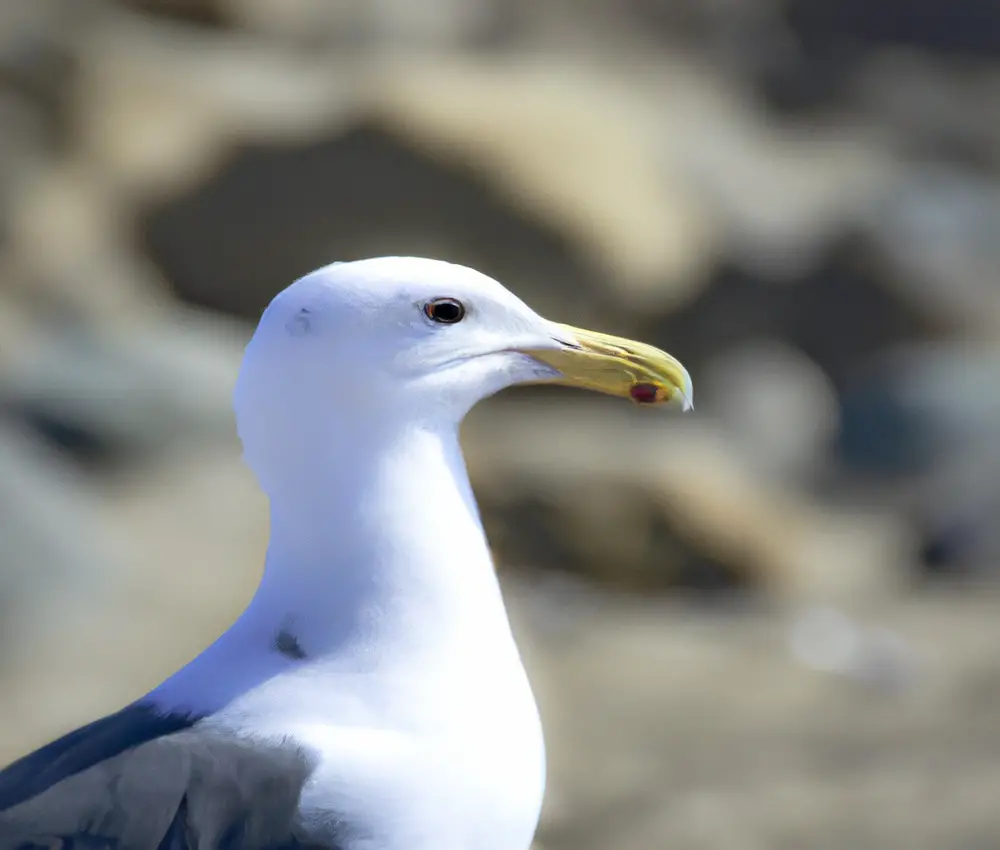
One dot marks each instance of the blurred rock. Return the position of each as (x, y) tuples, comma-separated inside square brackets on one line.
[(169, 114), (834, 41), (941, 226), (707, 737), (36, 69), (68, 248), (704, 23), (16, 325), (382, 24), (160, 106), (783, 195), (593, 168), (776, 406), (101, 397), (188, 535), (671, 500), (939, 395), (948, 113), (54, 547), (36, 55), (305, 22), (964, 28), (828, 641), (838, 312), (574, 186), (926, 423), (362, 193), (201, 12)]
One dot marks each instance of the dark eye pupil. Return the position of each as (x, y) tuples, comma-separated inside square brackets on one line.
[(445, 310)]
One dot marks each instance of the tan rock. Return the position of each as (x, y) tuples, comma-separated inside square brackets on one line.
[(573, 144)]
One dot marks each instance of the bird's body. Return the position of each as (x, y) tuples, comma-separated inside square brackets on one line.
[(375, 694), (371, 697)]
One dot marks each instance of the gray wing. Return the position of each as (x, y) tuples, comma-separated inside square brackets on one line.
[(141, 780)]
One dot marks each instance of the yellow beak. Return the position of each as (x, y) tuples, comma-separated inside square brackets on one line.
[(616, 366)]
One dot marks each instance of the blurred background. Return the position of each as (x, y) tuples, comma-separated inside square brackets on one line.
[(768, 624)]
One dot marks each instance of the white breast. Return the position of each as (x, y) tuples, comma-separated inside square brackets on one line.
[(423, 765), (412, 695)]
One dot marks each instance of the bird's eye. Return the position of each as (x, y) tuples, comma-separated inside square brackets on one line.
[(445, 311)]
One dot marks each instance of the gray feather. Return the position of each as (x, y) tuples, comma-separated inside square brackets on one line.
[(198, 788)]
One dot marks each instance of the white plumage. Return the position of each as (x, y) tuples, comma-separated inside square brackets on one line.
[(373, 678)]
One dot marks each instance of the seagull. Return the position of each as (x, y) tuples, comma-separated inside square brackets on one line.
[(371, 696)]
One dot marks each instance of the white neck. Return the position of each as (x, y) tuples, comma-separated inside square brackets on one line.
[(377, 558), (383, 548)]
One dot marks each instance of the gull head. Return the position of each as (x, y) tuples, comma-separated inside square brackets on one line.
[(422, 340)]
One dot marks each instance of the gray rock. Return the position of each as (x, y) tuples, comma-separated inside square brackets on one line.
[(131, 392), (55, 553)]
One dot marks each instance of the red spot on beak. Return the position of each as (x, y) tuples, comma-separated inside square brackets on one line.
[(644, 393)]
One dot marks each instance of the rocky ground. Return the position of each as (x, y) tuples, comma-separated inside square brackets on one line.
[(769, 624)]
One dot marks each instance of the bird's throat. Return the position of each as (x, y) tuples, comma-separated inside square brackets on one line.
[(377, 562), (381, 549)]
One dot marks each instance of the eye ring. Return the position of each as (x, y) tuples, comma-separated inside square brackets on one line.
[(445, 311)]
